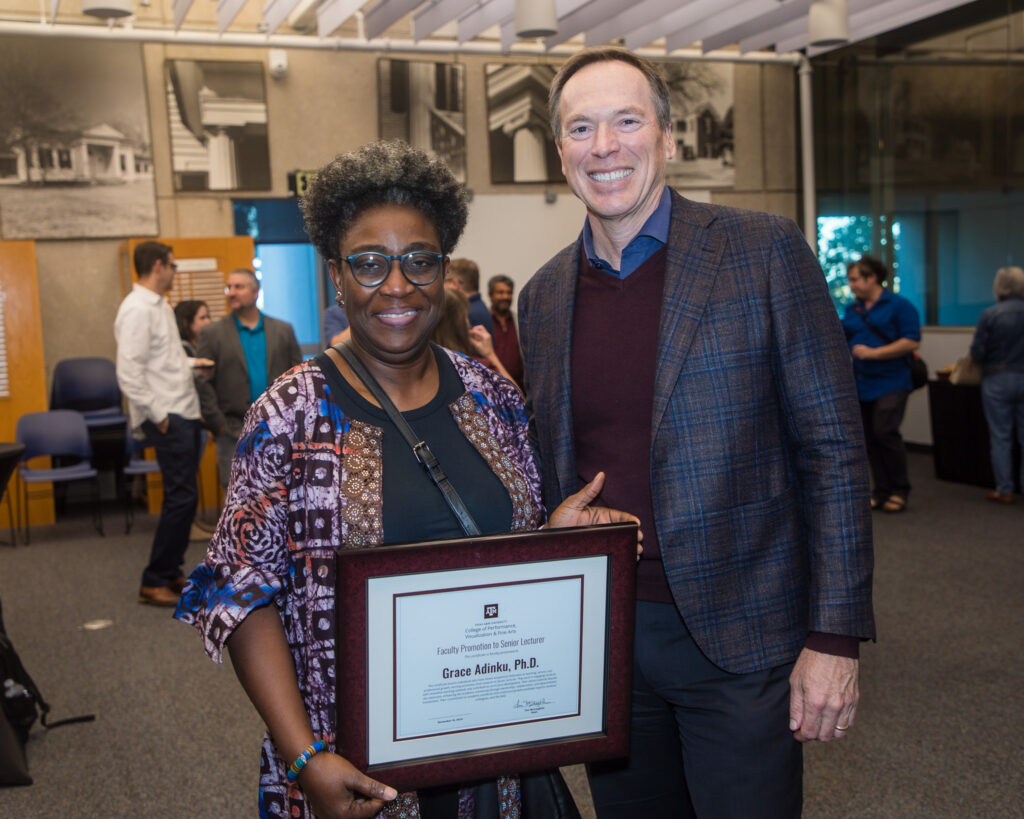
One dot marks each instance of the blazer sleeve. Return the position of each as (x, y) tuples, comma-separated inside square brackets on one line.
[(811, 366), (209, 347)]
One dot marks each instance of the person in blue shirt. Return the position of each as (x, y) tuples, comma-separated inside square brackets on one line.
[(883, 331), (998, 348), (335, 323)]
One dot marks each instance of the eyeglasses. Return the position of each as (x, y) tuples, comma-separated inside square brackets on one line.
[(420, 267)]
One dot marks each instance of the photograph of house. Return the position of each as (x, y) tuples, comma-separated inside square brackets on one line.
[(75, 149), (702, 124)]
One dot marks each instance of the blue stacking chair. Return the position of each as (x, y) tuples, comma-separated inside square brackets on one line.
[(88, 385), (136, 465), (57, 433)]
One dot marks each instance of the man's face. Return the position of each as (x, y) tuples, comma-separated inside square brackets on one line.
[(501, 299), (613, 152), (862, 287), (163, 273), (241, 291)]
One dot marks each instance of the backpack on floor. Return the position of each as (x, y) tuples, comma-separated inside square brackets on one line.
[(21, 705)]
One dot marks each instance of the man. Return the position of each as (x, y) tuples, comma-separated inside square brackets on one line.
[(883, 330), (464, 275), (249, 351), (506, 341), (693, 354), (156, 377)]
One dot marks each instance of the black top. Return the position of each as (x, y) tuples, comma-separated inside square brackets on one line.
[(413, 506)]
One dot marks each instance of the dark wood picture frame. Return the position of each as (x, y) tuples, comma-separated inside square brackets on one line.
[(357, 567)]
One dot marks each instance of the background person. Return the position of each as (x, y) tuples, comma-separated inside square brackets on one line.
[(334, 323), (882, 329), (248, 350), (192, 316), (320, 467), (505, 337), (453, 331), (998, 348), (692, 351), (155, 376), (464, 275)]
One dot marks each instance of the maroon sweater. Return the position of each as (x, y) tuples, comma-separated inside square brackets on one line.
[(614, 356)]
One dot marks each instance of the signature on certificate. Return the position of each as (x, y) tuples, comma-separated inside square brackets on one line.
[(532, 706)]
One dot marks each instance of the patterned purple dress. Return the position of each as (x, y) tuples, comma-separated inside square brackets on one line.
[(305, 482)]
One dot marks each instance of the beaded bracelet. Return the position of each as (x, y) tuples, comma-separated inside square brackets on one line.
[(303, 758)]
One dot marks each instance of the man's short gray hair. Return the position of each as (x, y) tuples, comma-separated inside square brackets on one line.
[(1009, 283)]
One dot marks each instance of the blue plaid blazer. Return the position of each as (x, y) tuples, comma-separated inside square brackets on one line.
[(758, 470)]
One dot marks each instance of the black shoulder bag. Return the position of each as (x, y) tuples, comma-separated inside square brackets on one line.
[(918, 369), (543, 793), (21, 704)]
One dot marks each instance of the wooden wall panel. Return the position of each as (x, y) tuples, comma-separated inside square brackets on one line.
[(26, 374)]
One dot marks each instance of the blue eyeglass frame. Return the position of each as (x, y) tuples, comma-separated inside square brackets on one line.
[(400, 258)]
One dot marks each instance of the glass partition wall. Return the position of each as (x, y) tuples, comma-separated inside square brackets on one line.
[(920, 158)]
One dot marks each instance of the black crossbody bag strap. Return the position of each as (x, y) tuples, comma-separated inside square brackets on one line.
[(419, 448), (908, 358), (872, 327)]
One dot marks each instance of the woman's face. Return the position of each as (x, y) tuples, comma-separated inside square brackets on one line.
[(391, 322), (202, 318)]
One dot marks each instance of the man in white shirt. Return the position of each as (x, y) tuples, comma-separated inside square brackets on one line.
[(156, 377)]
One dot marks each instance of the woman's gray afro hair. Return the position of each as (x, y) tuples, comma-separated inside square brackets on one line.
[(382, 173)]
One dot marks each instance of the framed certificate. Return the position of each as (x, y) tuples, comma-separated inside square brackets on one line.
[(465, 659)]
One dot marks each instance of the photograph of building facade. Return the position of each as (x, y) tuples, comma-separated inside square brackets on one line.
[(424, 104), (217, 113), (518, 124)]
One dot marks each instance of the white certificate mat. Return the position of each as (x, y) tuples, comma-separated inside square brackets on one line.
[(479, 658)]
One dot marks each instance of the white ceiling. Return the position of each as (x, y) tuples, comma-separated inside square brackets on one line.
[(653, 26)]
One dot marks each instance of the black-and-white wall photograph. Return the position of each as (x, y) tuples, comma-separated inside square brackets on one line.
[(521, 146), (424, 103), (702, 114), (217, 113), (75, 150)]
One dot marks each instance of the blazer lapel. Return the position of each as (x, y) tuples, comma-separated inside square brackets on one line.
[(694, 252), (559, 344)]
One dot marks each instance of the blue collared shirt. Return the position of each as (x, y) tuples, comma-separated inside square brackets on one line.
[(254, 345), (897, 318), (651, 238)]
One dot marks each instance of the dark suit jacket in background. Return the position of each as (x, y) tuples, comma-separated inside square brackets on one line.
[(758, 472), (224, 396)]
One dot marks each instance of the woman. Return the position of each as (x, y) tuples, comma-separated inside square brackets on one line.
[(319, 468), (192, 316), (454, 332), (998, 348)]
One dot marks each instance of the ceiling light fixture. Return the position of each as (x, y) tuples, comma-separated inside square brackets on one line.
[(828, 23), (107, 9), (536, 18)]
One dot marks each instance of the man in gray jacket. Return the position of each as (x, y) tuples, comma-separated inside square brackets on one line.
[(249, 351)]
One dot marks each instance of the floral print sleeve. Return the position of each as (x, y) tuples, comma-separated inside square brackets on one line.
[(247, 562)]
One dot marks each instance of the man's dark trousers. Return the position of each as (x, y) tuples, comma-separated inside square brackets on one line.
[(176, 453), (887, 453), (690, 715)]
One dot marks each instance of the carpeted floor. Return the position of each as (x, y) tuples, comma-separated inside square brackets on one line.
[(938, 733)]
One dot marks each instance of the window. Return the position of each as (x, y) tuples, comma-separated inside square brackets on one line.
[(64, 158)]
